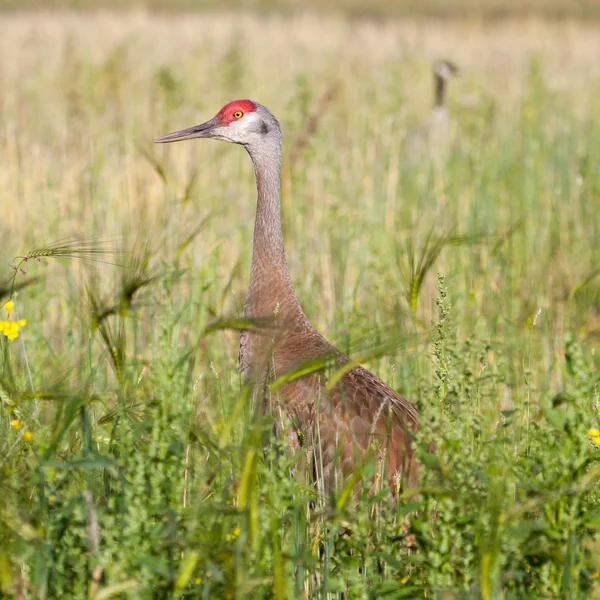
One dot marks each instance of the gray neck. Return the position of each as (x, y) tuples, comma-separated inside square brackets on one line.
[(440, 90), (270, 282)]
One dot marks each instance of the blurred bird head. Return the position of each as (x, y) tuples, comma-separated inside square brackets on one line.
[(445, 69)]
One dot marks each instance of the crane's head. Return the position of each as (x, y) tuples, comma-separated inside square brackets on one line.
[(241, 122), (444, 69)]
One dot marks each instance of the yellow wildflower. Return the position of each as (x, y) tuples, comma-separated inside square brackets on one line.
[(16, 424), (405, 579), (11, 328), (51, 498), (595, 432), (198, 580), (27, 436), (231, 536), (8, 306)]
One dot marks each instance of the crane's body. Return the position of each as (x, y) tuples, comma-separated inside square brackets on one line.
[(360, 412)]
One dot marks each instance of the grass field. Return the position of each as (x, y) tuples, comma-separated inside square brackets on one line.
[(132, 463)]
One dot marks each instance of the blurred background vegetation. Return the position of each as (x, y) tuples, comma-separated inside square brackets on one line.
[(373, 8), (132, 462)]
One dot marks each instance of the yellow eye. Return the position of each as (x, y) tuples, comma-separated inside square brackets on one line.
[(238, 114)]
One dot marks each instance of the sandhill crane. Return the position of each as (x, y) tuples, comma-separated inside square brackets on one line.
[(442, 71), (360, 412), (439, 124)]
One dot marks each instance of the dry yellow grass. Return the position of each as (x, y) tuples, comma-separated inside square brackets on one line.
[(43, 58), (79, 94), (81, 104)]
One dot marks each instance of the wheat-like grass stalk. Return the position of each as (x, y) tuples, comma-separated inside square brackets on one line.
[(91, 249)]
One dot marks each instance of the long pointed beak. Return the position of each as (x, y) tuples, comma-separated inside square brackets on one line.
[(198, 131)]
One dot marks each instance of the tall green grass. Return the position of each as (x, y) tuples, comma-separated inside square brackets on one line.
[(133, 460)]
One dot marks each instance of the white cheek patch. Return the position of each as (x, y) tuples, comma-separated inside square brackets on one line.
[(253, 123)]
